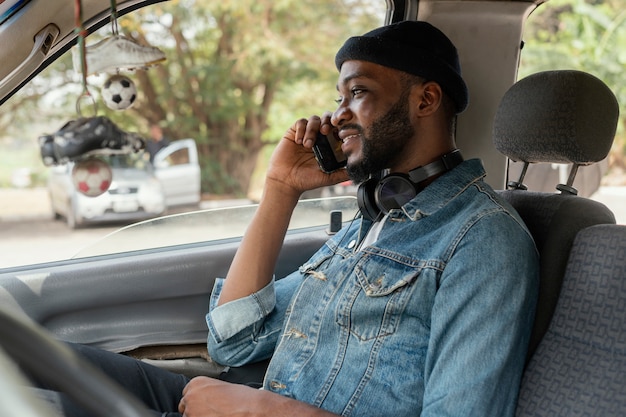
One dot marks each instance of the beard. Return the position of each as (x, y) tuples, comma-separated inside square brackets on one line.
[(384, 142)]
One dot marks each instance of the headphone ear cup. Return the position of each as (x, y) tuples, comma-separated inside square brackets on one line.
[(394, 191), (366, 199)]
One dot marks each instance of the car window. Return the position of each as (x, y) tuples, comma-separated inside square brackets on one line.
[(178, 157), (34, 226), (44, 219), (8, 8), (125, 161), (575, 34), (211, 225)]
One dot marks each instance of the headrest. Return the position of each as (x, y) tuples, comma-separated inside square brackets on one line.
[(560, 116)]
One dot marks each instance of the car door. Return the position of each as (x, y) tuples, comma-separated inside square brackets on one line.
[(177, 168)]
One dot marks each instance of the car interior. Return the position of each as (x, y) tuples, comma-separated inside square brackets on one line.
[(575, 356), (151, 303), (554, 219)]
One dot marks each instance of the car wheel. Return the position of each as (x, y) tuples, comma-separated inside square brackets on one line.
[(56, 215)]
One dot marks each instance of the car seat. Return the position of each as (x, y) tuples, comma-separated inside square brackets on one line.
[(579, 368), (560, 116)]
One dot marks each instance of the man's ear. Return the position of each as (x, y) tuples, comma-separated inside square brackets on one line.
[(429, 98)]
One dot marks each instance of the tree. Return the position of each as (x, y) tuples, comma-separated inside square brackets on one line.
[(238, 72), (227, 64)]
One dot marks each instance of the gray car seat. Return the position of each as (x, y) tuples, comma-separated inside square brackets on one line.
[(555, 117), (579, 368)]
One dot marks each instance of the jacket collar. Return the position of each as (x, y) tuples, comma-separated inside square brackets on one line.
[(441, 191)]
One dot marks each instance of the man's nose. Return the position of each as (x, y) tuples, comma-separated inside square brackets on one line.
[(341, 115)]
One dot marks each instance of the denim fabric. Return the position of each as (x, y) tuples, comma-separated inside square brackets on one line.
[(432, 319)]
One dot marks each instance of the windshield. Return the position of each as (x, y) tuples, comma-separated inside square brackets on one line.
[(125, 161), (212, 224), (207, 127)]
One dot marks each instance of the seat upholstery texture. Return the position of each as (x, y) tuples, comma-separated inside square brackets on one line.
[(553, 220), (579, 368), (563, 116)]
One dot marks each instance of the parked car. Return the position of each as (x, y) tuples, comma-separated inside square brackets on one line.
[(144, 291), (138, 190)]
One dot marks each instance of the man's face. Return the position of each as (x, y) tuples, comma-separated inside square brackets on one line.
[(155, 132), (373, 117)]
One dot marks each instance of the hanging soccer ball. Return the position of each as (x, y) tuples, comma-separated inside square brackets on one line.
[(119, 92), (92, 177)]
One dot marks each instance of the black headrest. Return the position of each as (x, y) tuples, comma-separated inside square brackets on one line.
[(563, 116)]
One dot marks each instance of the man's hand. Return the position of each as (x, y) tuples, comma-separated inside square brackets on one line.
[(293, 170), (208, 397), (211, 397), (293, 163)]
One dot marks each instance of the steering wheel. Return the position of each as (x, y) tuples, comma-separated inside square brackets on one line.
[(49, 360)]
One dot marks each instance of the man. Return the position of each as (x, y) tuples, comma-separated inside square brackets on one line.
[(425, 311), (157, 141), (422, 307)]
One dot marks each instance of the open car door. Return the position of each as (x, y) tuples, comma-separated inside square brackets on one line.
[(177, 168)]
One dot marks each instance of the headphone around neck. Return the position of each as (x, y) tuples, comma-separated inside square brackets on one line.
[(377, 197)]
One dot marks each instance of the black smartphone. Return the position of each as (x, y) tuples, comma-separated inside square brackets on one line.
[(327, 150)]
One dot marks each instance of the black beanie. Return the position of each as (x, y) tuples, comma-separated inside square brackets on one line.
[(416, 48)]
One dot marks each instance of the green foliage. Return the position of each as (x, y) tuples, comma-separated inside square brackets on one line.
[(585, 35), (213, 180), (239, 73)]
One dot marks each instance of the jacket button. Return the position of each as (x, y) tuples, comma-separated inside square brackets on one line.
[(275, 385)]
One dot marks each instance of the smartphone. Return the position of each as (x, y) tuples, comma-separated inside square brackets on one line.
[(327, 150)]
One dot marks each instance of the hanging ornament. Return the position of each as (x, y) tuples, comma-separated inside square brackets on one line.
[(119, 92)]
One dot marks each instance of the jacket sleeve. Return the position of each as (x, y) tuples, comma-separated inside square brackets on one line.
[(247, 330), (481, 321)]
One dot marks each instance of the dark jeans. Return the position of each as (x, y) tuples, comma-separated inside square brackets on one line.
[(158, 389)]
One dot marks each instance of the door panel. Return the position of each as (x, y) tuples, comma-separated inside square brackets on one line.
[(153, 297)]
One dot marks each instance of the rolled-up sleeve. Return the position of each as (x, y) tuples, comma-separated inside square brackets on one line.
[(227, 320), (247, 330)]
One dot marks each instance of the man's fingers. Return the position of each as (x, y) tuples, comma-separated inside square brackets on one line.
[(312, 127), (325, 125), (299, 130), (304, 131)]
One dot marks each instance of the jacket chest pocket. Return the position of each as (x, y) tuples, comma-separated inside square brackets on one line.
[(371, 304)]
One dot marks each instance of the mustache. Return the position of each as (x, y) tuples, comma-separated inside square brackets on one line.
[(353, 126)]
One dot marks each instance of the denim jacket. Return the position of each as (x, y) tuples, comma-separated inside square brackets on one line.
[(433, 319)]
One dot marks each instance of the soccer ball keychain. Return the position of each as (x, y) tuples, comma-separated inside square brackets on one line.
[(92, 176), (89, 136), (119, 91)]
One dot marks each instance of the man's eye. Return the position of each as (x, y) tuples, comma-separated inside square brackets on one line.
[(357, 91), (338, 100)]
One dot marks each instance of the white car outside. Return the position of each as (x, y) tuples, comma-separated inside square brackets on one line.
[(138, 190)]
